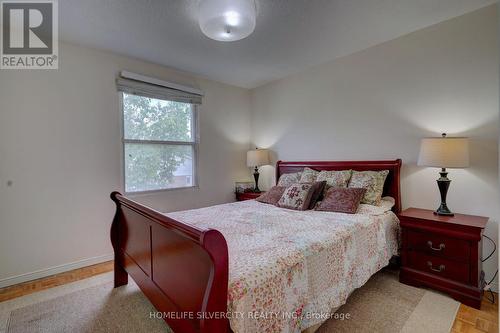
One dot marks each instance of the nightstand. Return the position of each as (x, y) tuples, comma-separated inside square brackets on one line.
[(248, 195), (443, 253)]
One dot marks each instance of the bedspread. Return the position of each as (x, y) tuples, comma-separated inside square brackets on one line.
[(289, 269)]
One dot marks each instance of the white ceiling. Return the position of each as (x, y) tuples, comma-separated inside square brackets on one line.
[(290, 35)]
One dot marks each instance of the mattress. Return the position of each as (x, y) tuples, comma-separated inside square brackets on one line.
[(289, 270)]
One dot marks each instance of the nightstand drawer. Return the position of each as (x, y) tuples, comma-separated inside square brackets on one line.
[(438, 245), (442, 267)]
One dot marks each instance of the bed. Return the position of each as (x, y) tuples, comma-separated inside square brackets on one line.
[(252, 267)]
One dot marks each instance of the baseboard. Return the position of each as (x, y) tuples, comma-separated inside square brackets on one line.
[(54, 270)]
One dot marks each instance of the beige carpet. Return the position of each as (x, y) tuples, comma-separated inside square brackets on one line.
[(385, 305), (92, 305)]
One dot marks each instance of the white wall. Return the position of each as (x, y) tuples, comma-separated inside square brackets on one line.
[(379, 103), (60, 146)]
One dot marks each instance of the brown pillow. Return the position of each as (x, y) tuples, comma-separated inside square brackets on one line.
[(272, 195), (317, 192), (297, 196), (342, 200)]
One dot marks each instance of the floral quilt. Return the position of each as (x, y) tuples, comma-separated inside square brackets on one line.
[(288, 269)]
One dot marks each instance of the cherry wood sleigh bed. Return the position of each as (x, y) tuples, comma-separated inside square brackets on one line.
[(183, 270)]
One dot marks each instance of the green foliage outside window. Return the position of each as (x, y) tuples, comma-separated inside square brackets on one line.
[(152, 166)]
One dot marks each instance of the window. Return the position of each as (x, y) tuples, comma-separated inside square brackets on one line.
[(160, 143)]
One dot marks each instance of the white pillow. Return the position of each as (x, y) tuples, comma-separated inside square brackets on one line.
[(386, 204)]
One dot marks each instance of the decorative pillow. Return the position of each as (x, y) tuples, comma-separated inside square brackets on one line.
[(297, 196), (342, 200), (308, 175), (317, 193), (373, 181), (272, 195), (288, 179), (334, 178)]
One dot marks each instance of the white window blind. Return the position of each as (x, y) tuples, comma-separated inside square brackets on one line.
[(135, 87)]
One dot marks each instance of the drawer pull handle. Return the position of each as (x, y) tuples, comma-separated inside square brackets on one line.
[(439, 270), (440, 248)]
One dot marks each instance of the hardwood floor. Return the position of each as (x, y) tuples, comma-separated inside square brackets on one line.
[(468, 320), (29, 287)]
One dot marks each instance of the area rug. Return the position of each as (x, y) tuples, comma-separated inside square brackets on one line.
[(92, 305)]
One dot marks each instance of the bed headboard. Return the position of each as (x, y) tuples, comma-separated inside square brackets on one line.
[(392, 183)]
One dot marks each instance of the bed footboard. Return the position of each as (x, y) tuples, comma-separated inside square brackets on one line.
[(182, 270)]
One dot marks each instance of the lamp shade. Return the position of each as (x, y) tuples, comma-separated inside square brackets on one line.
[(444, 152), (257, 157)]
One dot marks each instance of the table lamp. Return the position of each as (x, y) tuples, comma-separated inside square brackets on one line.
[(257, 158), (444, 153)]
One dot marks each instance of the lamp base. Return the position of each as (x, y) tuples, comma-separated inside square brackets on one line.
[(443, 184), (256, 177), (443, 211)]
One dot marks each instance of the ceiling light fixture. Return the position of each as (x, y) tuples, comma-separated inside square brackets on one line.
[(227, 20)]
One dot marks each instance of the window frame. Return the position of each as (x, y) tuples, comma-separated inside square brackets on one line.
[(194, 144)]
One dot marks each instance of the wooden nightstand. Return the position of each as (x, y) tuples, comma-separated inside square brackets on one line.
[(248, 195), (443, 253)]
